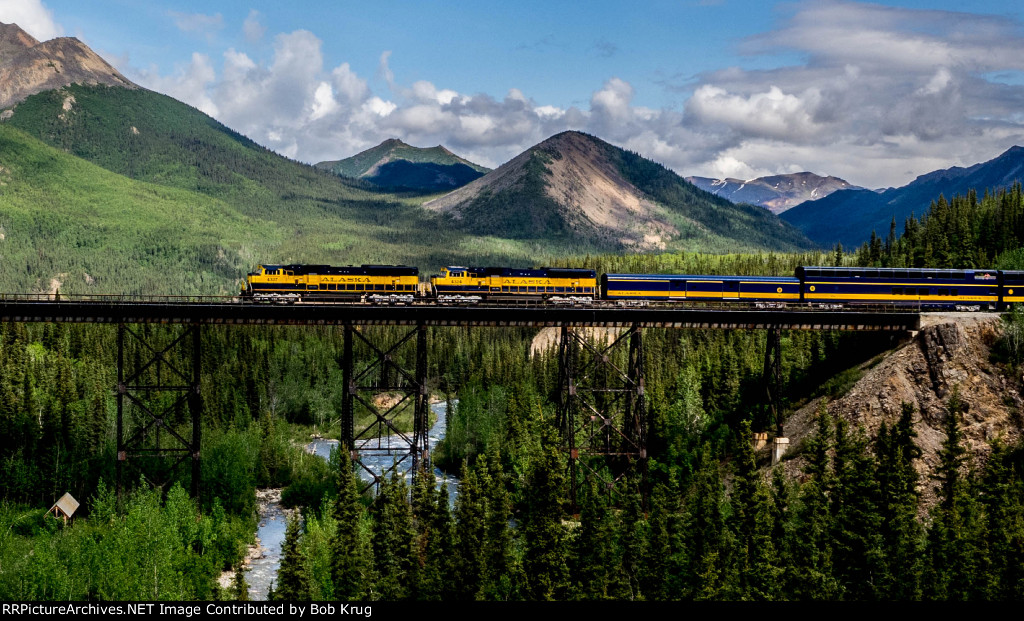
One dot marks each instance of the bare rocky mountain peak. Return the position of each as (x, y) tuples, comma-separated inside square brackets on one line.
[(581, 180), (28, 67), (13, 41)]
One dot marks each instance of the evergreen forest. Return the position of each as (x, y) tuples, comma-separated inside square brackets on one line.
[(710, 520)]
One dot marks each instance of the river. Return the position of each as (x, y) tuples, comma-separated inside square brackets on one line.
[(262, 570)]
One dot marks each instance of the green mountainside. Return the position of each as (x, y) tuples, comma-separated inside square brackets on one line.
[(70, 225), (394, 164)]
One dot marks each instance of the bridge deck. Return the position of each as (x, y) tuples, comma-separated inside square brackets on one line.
[(224, 311)]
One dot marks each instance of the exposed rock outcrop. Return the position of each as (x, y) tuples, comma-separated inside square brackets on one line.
[(950, 352)]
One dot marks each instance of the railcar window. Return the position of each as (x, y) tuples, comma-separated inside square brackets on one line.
[(953, 292), (960, 275), (922, 291), (532, 290), (588, 290), (897, 290), (943, 291), (378, 287)]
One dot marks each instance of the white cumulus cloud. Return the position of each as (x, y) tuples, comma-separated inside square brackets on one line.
[(32, 16)]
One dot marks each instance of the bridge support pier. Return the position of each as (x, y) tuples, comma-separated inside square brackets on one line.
[(602, 409), (152, 393), (773, 381), (383, 400)]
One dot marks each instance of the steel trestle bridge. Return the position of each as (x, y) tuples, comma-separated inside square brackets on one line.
[(602, 406)]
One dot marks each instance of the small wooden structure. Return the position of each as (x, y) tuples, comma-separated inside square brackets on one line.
[(65, 507)]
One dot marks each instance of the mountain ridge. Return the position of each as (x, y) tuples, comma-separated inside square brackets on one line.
[(849, 216), (776, 193), (395, 164)]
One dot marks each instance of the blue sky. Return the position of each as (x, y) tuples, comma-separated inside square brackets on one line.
[(876, 93)]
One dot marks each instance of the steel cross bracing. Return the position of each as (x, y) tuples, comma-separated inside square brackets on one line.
[(379, 434), (142, 388), (602, 410)]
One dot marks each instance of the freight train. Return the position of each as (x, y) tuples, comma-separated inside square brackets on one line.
[(817, 287)]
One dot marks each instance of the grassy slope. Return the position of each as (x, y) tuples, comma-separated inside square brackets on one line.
[(65, 218)]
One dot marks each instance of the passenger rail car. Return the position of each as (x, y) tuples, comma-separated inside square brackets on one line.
[(378, 284), (554, 285), (640, 289), (927, 289)]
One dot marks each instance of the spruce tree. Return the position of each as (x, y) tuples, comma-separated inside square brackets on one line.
[(595, 546), (632, 543), (952, 541), (393, 540), (239, 587), (292, 580), (856, 521), (1002, 495), (810, 569), (350, 554), (439, 567), (752, 524), (499, 556), (707, 542), (901, 532), (470, 536), (544, 537)]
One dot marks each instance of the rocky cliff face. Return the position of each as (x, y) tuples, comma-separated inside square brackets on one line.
[(950, 352), (28, 67)]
